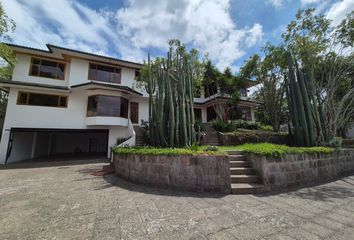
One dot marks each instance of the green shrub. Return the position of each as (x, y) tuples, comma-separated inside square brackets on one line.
[(211, 149), (159, 151), (222, 126), (120, 140), (275, 150), (265, 127), (245, 124), (198, 126), (336, 142)]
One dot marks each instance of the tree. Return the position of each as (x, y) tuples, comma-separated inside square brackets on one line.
[(269, 73), (7, 58), (324, 55), (224, 85)]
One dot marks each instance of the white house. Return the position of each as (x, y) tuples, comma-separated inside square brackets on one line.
[(63, 101)]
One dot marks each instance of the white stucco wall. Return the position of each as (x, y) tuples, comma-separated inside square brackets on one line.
[(22, 69), (72, 117)]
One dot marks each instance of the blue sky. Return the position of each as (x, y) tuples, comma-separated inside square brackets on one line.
[(228, 31)]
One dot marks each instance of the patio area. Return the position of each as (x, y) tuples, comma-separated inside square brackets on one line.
[(72, 201)]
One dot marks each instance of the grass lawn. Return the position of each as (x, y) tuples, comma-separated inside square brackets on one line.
[(264, 149)]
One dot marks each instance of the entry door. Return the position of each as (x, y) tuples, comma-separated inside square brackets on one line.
[(134, 112)]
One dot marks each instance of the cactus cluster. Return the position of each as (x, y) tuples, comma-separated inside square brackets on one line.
[(305, 109), (170, 87)]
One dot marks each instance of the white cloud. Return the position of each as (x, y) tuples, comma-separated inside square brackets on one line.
[(206, 25), (307, 2), (141, 24), (275, 3), (61, 22), (339, 11)]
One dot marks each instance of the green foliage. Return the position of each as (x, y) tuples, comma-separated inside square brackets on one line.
[(336, 142), (222, 126), (170, 85), (211, 149), (120, 140), (269, 72), (265, 127), (157, 151), (264, 149), (231, 126), (274, 150), (246, 124)]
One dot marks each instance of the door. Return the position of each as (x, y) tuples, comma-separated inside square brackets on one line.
[(134, 112)]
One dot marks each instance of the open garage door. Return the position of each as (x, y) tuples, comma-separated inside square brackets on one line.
[(34, 143)]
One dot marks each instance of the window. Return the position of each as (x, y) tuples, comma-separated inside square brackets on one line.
[(110, 106), (46, 68), (38, 99), (104, 73)]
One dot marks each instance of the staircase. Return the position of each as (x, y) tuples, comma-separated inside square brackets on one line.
[(139, 140), (244, 179), (211, 136)]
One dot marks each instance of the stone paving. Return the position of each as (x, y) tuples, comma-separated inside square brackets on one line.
[(69, 202)]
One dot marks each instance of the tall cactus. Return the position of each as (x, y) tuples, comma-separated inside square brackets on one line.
[(170, 88), (305, 112)]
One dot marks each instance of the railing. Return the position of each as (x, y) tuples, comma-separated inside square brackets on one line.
[(130, 140), (132, 136)]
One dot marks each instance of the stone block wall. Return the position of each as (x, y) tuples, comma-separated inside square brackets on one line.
[(301, 169), (200, 173)]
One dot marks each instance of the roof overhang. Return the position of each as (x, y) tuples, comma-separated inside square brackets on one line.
[(94, 85), (36, 86), (63, 53), (225, 99)]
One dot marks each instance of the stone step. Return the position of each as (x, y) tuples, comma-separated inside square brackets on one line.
[(244, 179), (235, 164), (235, 152), (242, 170), (237, 158), (246, 188)]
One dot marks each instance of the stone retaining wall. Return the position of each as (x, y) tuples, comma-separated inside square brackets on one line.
[(200, 173), (301, 169)]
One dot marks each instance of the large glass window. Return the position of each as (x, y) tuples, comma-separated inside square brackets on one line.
[(38, 99), (46, 68), (100, 105), (104, 73)]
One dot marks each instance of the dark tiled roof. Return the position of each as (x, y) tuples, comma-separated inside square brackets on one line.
[(119, 87), (34, 85), (224, 98), (50, 46)]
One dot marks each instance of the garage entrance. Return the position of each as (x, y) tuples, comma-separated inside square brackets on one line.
[(36, 144)]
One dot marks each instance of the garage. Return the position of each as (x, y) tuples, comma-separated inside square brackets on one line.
[(53, 144)]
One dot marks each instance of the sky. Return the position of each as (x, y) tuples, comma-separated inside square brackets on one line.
[(229, 32)]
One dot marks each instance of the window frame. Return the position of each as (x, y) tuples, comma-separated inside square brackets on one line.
[(115, 67), (120, 107), (39, 67), (28, 97)]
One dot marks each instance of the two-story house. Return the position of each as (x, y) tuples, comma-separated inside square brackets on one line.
[(62, 101)]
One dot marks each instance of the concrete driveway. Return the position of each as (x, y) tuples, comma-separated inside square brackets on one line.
[(70, 202)]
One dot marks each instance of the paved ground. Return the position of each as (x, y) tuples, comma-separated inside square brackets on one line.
[(68, 202)]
